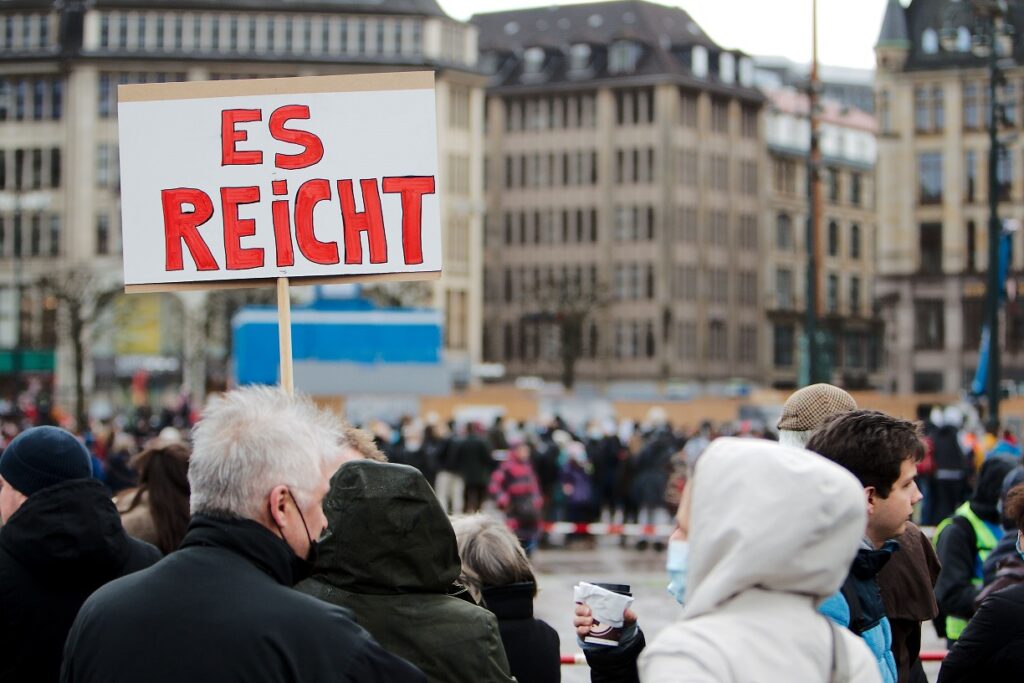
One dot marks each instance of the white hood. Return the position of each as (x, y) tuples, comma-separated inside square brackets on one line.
[(782, 519)]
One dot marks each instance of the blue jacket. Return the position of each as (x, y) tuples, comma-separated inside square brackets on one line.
[(858, 606)]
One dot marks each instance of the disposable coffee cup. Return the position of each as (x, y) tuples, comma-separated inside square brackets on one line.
[(608, 603)]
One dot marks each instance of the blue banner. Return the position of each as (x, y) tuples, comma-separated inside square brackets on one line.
[(980, 383)]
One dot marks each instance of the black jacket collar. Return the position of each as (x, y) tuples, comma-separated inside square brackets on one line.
[(244, 537), (514, 601)]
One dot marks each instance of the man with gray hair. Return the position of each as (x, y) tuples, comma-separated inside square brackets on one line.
[(806, 409), (222, 607)]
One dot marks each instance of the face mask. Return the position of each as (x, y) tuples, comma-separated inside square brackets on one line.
[(677, 565), (302, 567)]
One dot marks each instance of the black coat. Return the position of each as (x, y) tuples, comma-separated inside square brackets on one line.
[(530, 644), (62, 544), (221, 610), (991, 648)]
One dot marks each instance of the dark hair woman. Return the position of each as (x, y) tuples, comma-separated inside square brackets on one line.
[(157, 510)]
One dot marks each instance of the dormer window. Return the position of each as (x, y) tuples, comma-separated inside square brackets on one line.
[(963, 39), (929, 41), (746, 72), (533, 60), (727, 67), (699, 61), (623, 57), (579, 57)]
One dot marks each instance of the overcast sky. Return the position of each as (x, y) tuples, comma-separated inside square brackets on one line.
[(847, 29)]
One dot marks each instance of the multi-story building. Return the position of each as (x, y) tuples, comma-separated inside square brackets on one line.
[(60, 65), (933, 192), (847, 232), (626, 161)]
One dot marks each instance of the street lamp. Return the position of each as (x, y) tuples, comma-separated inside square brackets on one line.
[(991, 38)]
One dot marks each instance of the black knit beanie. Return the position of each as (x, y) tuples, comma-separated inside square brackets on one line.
[(41, 457)]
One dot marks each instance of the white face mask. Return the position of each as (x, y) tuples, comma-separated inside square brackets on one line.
[(677, 564)]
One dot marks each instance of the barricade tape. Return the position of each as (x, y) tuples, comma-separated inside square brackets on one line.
[(602, 529), (580, 658)]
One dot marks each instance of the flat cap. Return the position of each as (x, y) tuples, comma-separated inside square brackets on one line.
[(807, 408)]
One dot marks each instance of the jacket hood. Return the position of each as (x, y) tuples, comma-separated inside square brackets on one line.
[(387, 532), (70, 530), (770, 517)]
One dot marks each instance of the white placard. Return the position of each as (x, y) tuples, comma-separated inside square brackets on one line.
[(326, 177)]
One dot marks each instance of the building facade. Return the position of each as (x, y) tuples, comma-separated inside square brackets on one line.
[(847, 232), (933, 194), (60, 65), (625, 170)]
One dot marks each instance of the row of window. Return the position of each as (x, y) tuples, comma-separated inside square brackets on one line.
[(31, 98), (785, 297), (108, 82), (551, 113), (855, 351), (568, 226), (785, 238), (27, 235), (520, 285), (30, 169), (551, 169), (686, 285), (309, 34), (930, 176), (27, 32), (784, 181), (930, 106)]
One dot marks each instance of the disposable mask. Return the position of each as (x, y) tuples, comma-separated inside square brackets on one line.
[(677, 564)]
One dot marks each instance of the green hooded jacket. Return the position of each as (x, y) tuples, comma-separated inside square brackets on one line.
[(391, 557)]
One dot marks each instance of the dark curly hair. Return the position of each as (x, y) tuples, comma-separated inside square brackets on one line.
[(1013, 507), (871, 444)]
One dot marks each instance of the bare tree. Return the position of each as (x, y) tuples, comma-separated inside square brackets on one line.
[(83, 294), (567, 303)]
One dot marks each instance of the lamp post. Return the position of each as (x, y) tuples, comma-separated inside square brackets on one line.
[(990, 28), (815, 371)]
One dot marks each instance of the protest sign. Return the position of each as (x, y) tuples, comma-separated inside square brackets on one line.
[(241, 183)]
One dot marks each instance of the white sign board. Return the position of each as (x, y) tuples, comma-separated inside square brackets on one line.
[(327, 178)]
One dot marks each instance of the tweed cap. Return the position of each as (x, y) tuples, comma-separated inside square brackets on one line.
[(807, 408)]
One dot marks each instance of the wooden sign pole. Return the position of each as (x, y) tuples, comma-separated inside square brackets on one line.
[(284, 333)]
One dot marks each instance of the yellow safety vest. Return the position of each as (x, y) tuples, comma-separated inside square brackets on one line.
[(985, 542)]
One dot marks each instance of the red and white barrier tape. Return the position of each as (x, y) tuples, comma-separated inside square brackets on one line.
[(602, 529)]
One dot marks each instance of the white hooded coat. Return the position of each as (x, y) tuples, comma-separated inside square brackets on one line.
[(772, 533)]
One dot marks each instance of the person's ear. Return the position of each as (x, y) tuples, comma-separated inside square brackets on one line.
[(278, 503), (869, 494)]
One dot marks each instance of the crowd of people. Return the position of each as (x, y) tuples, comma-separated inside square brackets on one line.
[(271, 541)]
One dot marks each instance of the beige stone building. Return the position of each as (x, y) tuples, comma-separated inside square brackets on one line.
[(848, 234), (60, 65), (933, 192), (626, 158)]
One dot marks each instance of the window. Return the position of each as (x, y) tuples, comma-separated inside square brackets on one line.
[(832, 293), (699, 61), (688, 109), (533, 60), (970, 174), (930, 243), (929, 41), (833, 185), (103, 234), (623, 57), (855, 241), (361, 36), (854, 295), (688, 340), (922, 123), (748, 288), (160, 28), (972, 246), (938, 109), (853, 345), (972, 118), (122, 31), (783, 288), (1009, 102), (748, 122), (748, 344), (718, 341), (55, 170), (783, 343), (719, 116), (855, 189), (380, 37), (104, 30), (929, 325), (54, 235), (1004, 175), (833, 238), (783, 232), (929, 177)]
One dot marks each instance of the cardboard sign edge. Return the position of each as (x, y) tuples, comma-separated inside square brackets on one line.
[(420, 276)]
